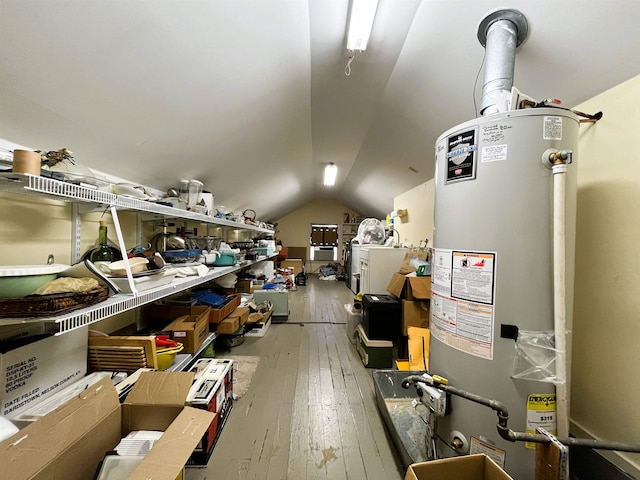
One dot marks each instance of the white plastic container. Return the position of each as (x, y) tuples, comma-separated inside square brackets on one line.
[(354, 318)]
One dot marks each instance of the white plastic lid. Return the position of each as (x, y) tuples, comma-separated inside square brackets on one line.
[(25, 270)]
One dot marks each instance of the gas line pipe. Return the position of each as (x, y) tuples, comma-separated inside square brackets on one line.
[(503, 418)]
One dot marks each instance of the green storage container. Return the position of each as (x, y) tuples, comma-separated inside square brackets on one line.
[(374, 353)]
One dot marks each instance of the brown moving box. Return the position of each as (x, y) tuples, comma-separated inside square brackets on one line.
[(71, 441), (219, 314), (234, 321), (467, 467), (414, 314), (294, 264), (410, 288), (190, 330), (415, 293), (244, 286)]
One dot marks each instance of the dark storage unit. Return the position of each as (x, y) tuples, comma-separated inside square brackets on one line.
[(381, 316)]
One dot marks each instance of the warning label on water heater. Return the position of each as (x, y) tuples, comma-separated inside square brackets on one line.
[(462, 300), (552, 128)]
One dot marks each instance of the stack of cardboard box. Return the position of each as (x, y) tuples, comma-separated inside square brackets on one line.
[(415, 294), (233, 321)]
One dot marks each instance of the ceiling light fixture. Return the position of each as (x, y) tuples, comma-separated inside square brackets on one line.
[(330, 172), (361, 19)]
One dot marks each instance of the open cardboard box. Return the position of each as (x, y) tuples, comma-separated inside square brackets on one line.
[(414, 294), (468, 467), (191, 330), (71, 441), (410, 287)]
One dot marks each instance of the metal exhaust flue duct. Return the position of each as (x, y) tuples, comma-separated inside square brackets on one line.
[(501, 32)]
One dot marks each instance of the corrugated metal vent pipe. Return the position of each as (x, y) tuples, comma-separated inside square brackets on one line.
[(500, 32)]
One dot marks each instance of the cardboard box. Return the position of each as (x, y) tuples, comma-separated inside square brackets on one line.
[(418, 347), (35, 371), (402, 365), (234, 321), (257, 285), (190, 330), (171, 312), (414, 314), (469, 467), (228, 326), (293, 264), (71, 441), (410, 287), (241, 313), (9, 333), (244, 286), (219, 314), (418, 254)]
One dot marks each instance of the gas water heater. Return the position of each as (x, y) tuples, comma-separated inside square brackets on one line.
[(493, 260)]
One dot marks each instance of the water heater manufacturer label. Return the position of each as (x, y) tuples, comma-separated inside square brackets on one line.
[(462, 149), (462, 300)]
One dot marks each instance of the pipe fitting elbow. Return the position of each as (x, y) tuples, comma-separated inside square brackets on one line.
[(411, 380)]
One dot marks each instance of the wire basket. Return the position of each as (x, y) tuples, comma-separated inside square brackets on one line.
[(54, 304)]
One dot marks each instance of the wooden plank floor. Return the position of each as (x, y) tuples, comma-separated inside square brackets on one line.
[(310, 411)]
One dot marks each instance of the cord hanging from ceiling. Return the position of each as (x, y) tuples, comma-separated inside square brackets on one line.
[(347, 68)]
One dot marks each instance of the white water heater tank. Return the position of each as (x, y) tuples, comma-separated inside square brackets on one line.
[(493, 271)]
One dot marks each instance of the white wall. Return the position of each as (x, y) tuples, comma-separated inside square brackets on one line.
[(32, 229), (417, 226), (605, 381), (294, 228)]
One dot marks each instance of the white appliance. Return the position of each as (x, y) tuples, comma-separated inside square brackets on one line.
[(494, 273), (377, 266)]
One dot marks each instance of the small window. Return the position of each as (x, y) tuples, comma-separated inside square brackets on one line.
[(324, 242)]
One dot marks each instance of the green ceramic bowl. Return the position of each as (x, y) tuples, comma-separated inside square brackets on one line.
[(17, 281)]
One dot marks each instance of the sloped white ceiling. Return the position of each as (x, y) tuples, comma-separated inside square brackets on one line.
[(251, 97)]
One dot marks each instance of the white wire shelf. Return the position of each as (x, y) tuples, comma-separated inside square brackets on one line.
[(48, 188), (121, 303), (54, 189)]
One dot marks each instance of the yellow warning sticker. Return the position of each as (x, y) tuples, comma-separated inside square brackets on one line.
[(541, 412)]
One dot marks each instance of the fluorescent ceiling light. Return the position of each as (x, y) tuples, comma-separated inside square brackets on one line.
[(330, 172), (360, 23)]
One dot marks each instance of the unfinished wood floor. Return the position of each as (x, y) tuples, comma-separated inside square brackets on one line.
[(310, 411)]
